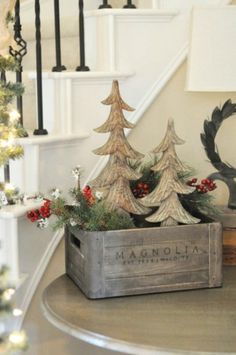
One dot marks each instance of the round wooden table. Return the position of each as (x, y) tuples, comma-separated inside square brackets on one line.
[(191, 322)]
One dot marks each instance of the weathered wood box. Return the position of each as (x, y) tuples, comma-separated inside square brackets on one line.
[(145, 260)]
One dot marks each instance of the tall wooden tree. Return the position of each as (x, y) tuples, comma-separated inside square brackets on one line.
[(165, 195), (116, 175)]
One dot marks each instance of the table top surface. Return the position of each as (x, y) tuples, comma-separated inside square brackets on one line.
[(195, 322)]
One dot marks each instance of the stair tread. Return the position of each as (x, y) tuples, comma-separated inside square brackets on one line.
[(82, 75), (132, 12), (50, 138)]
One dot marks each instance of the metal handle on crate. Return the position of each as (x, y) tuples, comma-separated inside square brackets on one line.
[(75, 241)]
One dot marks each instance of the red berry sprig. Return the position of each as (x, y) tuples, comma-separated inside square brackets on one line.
[(87, 192), (141, 189), (43, 212), (205, 186), (33, 215)]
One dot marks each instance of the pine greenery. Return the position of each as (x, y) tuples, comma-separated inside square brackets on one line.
[(9, 130), (84, 216)]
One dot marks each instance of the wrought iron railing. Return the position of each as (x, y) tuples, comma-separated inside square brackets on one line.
[(21, 51), (82, 66), (58, 67), (18, 53)]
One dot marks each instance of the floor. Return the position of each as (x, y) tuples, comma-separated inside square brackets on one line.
[(44, 338)]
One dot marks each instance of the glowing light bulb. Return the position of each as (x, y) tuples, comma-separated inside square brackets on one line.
[(9, 187), (7, 295), (17, 312), (11, 138), (4, 143), (14, 116), (17, 338)]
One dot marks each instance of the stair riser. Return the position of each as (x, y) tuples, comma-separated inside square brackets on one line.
[(68, 44), (45, 167)]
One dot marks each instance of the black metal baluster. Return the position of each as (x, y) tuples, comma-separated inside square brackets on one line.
[(40, 130), (18, 54), (105, 5), (6, 166), (129, 5), (59, 67), (82, 66), (7, 172), (3, 76)]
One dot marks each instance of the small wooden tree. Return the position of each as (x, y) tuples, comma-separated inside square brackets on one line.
[(117, 173), (165, 195)]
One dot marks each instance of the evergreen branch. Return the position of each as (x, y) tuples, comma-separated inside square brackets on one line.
[(8, 63)]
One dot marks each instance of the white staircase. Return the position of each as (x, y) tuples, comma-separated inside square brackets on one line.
[(141, 48)]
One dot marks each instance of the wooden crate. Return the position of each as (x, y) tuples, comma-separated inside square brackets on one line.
[(145, 260)]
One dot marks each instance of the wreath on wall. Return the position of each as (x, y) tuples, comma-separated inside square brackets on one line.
[(226, 172)]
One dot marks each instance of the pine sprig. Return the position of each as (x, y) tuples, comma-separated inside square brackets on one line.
[(84, 216), (11, 152), (102, 219), (8, 91), (9, 130), (8, 63)]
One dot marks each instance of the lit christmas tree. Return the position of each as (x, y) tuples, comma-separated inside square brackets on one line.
[(10, 128), (15, 340), (116, 175), (165, 195)]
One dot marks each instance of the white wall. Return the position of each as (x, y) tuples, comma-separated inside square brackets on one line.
[(189, 111)]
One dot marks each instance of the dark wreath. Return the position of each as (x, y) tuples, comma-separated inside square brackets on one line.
[(226, 172)]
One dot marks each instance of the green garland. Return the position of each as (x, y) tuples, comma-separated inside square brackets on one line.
[(8, 91), (8, 63), (9, 129)]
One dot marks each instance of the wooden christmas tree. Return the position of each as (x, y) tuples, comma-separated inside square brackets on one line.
[(165, 195), (117, 173)]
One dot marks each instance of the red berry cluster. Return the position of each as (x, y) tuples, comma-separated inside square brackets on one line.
[(33, 215), (87, 192), (43, 212), (205, 186), (141, 189)]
